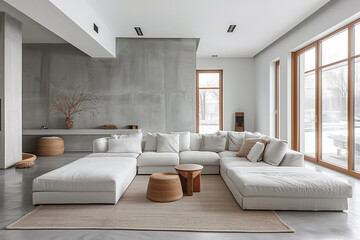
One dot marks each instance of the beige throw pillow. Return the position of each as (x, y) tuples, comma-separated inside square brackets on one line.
[(247, 146)]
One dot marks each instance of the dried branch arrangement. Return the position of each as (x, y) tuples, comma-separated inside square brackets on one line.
[(77, 101)]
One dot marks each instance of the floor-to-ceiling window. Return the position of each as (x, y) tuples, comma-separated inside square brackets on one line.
[(326, 101), (209, 100)]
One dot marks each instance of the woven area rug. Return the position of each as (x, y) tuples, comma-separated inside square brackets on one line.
[(212, 210)]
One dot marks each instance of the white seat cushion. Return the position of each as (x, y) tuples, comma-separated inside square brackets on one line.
[(131, 155), (199, 157), (102, 174), (227, 163), (227, 154), (158, 159), (287, 182)]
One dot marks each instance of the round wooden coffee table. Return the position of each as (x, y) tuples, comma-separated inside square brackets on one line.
[(190, 177)]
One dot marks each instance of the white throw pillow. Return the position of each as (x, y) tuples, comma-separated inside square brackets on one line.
[(275, 151), (151, 142), (167, 142), (195, 141), (126, 144), (255, 152), (236, 140), (184, 141), (213, 143)]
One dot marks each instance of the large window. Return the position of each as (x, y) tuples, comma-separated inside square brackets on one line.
[(326, 100), (209, 101)]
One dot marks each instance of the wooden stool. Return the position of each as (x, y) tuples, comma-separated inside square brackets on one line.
[(190, 176), (164, 187), (49, 146)]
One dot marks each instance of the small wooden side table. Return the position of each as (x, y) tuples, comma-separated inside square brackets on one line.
[(190, 176)]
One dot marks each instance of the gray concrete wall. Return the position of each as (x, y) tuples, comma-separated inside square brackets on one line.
[(151, 83), (10, 90)]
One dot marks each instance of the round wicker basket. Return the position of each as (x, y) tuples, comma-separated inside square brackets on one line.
[(49, 146)]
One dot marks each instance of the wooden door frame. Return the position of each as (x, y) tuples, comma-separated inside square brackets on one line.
[(220, 71), (277, 76)]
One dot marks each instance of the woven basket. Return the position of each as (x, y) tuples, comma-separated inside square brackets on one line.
[(28, 161), (49, 146)]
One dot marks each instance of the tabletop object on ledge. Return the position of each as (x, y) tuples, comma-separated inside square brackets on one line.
[(109, 126), (133, 126)]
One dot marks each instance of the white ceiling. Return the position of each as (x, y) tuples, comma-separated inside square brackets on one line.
[(32, 31), (259, 22)]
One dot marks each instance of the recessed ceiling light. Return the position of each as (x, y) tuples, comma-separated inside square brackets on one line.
[(138, 31), (214, 56), (231, 28)]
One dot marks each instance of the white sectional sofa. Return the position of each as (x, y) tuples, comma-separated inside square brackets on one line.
[(283, 185)]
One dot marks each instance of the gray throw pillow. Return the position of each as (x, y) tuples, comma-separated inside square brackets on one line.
[(213, 143), (275, 151)]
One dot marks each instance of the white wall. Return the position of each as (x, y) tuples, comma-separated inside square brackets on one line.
[(238, 87), (10, 91), (330, 17)]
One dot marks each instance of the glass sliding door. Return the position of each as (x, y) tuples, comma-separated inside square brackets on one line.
[(209, 101), (326, 100), (307, 117), (334, 114), (334, 99)]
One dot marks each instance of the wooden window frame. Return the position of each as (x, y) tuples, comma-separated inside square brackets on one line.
[(220, 96), (277, 76), (296, 101)]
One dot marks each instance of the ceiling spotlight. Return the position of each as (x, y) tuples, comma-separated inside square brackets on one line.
[(138, 31), (214, 56), (231, 28)]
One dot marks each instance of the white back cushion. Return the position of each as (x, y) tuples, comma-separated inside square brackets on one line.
[(213, 143), (151, 142), (126, 144), (100, 145), (227, 138), (256, 152), (249, 135), (236, 140), (184, 141), (167, 142), (195, 141), (275, 151)]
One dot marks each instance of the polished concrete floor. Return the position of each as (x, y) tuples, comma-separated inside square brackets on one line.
[(15, 201)]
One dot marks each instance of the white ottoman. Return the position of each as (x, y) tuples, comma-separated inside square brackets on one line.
[(87, 180), (287, 188)]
